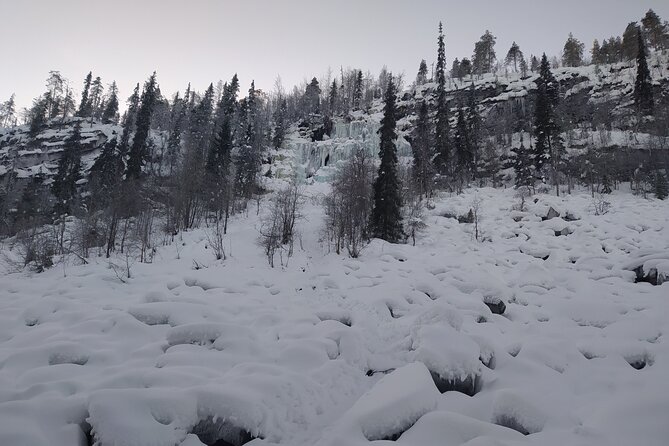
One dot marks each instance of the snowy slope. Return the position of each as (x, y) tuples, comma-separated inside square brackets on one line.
[(337, 351)]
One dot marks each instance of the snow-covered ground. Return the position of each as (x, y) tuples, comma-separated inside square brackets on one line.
[(337, 351)]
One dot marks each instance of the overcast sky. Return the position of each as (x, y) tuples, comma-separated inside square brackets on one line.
[(202, 41)]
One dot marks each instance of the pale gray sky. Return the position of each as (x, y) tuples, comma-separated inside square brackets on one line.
[(202, 41)]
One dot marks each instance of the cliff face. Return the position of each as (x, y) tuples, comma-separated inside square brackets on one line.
[(26, 155), (596, 110)]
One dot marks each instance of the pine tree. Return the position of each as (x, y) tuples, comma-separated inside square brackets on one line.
[(514, 57), (138, 150), (572, 54), (110, 113), (55, 85), (422, 170), (421, 77), (29, 209), (68, 106), (655, 30), (484, 54), (357, 91), (8, 116), (84, 106), (548, 147), (660, 185), (643, 88), (386, 218), (522, 166), (442, 126), (630, 42), (64, 186)]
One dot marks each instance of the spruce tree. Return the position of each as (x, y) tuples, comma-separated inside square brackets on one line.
[(522, 166), (442, 126), (29, 211), (596, 53), (84, 106), (95, 98), (456, 72), (474, 126), (129, 121), (386, 218), (333, 99), (280, 123), (463, 149), (138, 151), (630, 42), (548, 146), (106, 174), (200, 126), (660, 185), (421, 77), (38, 114), (312, 97), (422, 170), (643, 88), (64, 186), (465, 67), (357, 90), (111, 107), (248, 159), (534, 64)]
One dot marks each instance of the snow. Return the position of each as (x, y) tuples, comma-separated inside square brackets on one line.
[(331, 350)]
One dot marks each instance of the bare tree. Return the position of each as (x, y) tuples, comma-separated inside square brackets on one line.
[(277, 227), (349, 203)]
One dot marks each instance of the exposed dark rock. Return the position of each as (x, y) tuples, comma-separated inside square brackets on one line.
[(469, 218), (469, 386), (496, 305), (552, 213), (221, 432), (652, 277), (512, 423)]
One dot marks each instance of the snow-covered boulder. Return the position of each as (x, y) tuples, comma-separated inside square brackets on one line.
[(452, 358), (389, 408)]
